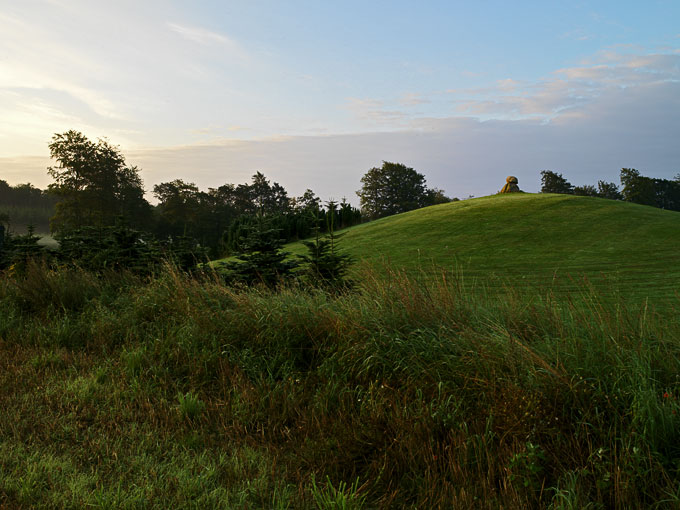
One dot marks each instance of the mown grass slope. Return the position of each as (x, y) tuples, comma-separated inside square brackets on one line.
[(532, 240)]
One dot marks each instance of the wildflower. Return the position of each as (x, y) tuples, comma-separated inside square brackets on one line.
[(665, 394)]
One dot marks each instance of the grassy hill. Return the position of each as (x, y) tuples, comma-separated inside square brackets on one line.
[(533, 240), (179, 391)]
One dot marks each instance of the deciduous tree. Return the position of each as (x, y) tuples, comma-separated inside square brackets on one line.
[(636, 188), (93, 183), (608, 190), (552, 182), (391, 189), (178, 206)]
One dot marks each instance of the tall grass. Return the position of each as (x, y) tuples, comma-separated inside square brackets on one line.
[(179, 391)]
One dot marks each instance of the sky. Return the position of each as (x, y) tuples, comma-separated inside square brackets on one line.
[(315, 93)]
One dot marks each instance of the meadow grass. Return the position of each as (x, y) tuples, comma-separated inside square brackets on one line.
[(181, 392), (535, 241)]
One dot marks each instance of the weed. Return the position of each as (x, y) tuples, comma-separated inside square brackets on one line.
[(527, 467), (134, 360), (340, 498), (190, 406)]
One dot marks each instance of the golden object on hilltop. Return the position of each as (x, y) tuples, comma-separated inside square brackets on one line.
[(511, 185)]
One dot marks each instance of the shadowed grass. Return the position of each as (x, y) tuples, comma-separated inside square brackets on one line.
[(179, 392)]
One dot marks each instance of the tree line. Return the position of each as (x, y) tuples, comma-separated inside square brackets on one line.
[(23, 205), (103, 222), (635, 188), (99, 215), (95, 187)]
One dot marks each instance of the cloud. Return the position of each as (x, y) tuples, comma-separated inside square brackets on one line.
[(113, 70), (462, 155), (587, 121), (568, 90), (412, 99), (25, 169), (199, 35), (629, 127), (207, 37), (375, 112)]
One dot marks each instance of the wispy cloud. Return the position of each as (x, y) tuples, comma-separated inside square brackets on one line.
[(569, 89), (198, 35), (376, 112), (412, 99), (460, 154), (564, 94), (578, 34), (626, 127), (206, 37)]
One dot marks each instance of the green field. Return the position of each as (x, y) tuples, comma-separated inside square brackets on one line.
[(418, 388), (539, 241)]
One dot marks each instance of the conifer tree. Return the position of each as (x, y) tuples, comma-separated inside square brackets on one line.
[(325, 265), (262, 260)]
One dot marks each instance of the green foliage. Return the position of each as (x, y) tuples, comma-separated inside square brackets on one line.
[(23, 205), (417, 388), (636, 188), (18, 251), (184, 252), (552, 182), (661, 193), (93, 184), (608, 190), (109, 248), (585, 191), (190, 406), (121, 248), (37, 288), (604, 189), (268, 198), (221, 218), (527, 467), (263, 261), (436, 196), (340, 498), (325, 265), (179, 206), (190, 393), (394, 188)]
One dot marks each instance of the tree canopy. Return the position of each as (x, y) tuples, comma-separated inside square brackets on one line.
[(395, 188), (552, 182), (662, 193), (93, 183)]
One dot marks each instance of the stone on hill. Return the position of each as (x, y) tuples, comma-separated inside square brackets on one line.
[(511, 185)]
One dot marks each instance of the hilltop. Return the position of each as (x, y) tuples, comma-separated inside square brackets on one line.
[(530, 239)]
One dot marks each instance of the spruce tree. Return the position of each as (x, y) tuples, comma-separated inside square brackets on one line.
[(262, 260), (325, 265)]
